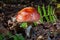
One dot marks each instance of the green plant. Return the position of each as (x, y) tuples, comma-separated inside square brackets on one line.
[(48, 14), (1, 37), (54, 0), (50, 11), (58, 5), (35, 24), (24, 25), (18, 37), (45, 13), (51, 14), (40, 12)]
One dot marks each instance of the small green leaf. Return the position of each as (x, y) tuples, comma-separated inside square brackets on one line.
[(40, 12), (58, 5), (45, 13), (44, 10), (15, 38), (35, 24), (50, 13), (49, 10), (9, 34), (23, 25), (18, 37), (1, 37), (54, 17)]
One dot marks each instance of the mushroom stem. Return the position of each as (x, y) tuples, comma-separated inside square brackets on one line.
[(28, 30)]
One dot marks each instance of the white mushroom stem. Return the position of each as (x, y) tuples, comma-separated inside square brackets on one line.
[(28, 30), (13, 19)]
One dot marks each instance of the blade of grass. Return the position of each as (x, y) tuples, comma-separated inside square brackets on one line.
[(50, 11), (44, 11), (43, 7), (54, 16), (40, 12)]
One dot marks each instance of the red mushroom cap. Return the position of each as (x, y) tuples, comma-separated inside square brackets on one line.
[(28, 14)]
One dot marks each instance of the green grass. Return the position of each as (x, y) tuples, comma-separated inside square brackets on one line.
[(48, 14), (40, 12), (45, 13)]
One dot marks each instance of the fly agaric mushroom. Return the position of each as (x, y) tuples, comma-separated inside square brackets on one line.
[(28, 14)]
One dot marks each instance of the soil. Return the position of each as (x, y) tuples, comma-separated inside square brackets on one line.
[(46, 31)]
